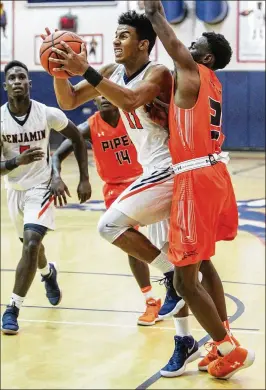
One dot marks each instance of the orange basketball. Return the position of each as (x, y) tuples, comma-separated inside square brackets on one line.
[(53, 40)]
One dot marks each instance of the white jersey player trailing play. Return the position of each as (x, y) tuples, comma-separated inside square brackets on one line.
[(22, 133), (149, 138)]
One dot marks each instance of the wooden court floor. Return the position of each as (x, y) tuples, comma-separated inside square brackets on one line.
[(91, 341)]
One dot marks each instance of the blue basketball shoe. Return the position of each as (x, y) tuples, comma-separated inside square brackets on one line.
[(10, 320), (53, 291), (186, 351), (173, 302)]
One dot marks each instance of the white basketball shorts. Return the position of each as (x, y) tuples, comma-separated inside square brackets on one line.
[(31, 206), (148, 199)]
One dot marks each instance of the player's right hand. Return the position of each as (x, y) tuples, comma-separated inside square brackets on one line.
[(30, 155), (59, 190), (48, 32)]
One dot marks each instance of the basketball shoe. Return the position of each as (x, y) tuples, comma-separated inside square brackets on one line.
[(10, 320), (212, 354), (186, 351), (226, 366), (53, 291), (150, 317), (173, 302)]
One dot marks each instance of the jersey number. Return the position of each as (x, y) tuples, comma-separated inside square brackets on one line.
[(122, 156), (22, 148), (215, 117), (133, 120)]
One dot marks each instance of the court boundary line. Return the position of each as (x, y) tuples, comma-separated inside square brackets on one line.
[(240, 308), (107, 325), (153, 278)]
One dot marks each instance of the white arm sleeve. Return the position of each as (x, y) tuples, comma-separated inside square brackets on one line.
[(56, 119)]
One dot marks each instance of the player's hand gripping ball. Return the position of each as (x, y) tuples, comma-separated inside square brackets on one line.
[(53, 40)]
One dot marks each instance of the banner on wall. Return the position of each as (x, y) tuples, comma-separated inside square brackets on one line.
[(138, 6), (94, 48), (251, 31), (7, 30)]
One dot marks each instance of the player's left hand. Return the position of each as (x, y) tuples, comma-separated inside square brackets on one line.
[(157, 114), (84, 191), (76, 64)]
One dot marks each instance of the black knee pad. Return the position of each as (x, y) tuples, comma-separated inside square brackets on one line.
[(42, 230)]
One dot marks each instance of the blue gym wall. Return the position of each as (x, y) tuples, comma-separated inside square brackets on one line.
[(243, 109)]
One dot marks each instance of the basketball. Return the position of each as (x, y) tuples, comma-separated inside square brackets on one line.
[(53, 40)]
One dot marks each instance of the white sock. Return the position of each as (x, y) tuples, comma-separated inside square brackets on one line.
[(182, 326), (147, 292), (45, 271), (200, 277), (17, 300), (226, 347), (162, 263)]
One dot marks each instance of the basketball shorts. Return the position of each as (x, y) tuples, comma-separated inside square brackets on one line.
[(148, 199), (158, 233), (204, 211), (31, 206), (112, 191)]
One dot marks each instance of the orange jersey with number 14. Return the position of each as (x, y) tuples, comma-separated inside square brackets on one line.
[(114, 153), (197, 132)]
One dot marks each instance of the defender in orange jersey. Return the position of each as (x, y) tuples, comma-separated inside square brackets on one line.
[(116, 162), (204, 208)]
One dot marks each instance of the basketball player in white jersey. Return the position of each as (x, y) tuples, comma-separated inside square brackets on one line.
[(134, 83), (25, 130)]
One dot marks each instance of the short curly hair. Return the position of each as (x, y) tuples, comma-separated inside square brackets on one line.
[(14, 63), (220, 48), (142, 25)]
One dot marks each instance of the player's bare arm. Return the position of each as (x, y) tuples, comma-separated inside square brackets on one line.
[(71, 96), (80, 150), (128, 100), (157, 83), (66, 147), (187, 80), (27, 157)]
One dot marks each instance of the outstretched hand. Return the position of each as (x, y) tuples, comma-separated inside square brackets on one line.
[(152, 6), (76, 64)]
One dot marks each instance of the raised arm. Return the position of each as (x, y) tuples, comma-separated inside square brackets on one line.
[(174, 47), (71, 96), (154, 84)]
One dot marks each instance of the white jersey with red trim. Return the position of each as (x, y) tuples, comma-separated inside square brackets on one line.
[(150, 139), (21, 133)]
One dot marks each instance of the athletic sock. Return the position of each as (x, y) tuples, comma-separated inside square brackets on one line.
[(147, 292), (162, 263), (17, 300), (182, 326), (226, 345), (45, 271)]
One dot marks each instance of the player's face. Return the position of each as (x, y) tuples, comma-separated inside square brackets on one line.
[(199, 50), (103, 104), (126, 44), (17, 82)]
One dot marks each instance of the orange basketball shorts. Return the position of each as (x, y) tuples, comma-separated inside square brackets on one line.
[(111, 192), (204, 211)]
